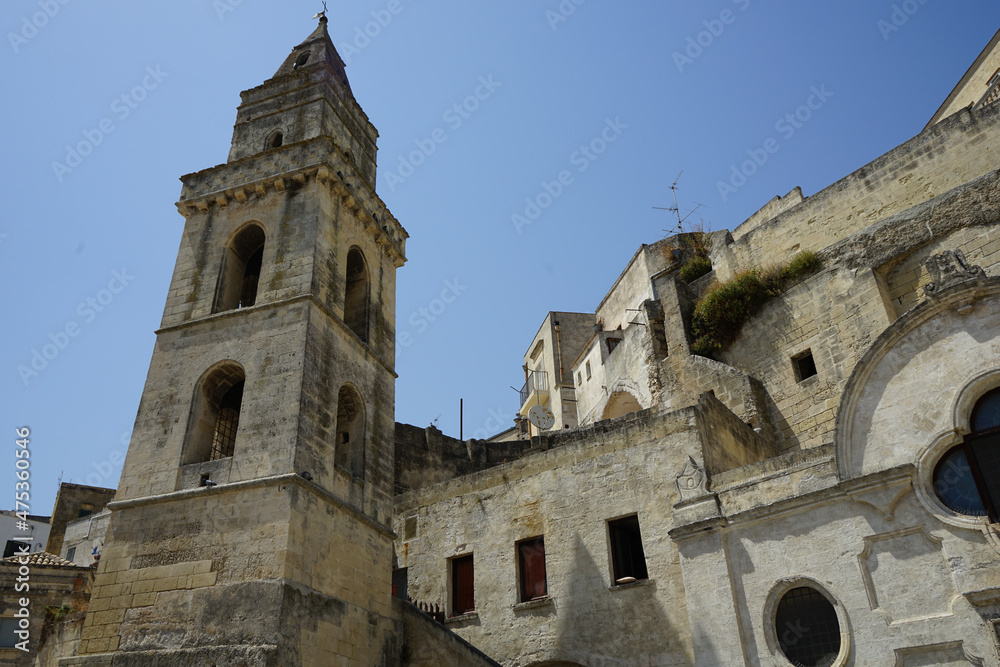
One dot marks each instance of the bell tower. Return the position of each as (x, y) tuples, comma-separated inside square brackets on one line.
[(251, 525)]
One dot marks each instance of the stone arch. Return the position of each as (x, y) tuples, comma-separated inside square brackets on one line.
[(215, 413), (274, 140), (356, 294), (916, 384), (241, 267), (349, 452), (620, 403)]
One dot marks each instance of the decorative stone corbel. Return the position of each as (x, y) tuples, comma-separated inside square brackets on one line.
[(692, 482), (950, 268)]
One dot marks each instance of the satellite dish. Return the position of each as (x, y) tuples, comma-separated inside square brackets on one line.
[(541, 417)]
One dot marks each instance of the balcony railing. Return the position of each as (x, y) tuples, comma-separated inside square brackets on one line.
[(537, 381), (991, 96)]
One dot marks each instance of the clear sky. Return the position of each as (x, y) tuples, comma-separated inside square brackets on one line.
[(150, 90)]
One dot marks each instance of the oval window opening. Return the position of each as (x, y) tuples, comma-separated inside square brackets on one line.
[(302, 60), (807, 628)]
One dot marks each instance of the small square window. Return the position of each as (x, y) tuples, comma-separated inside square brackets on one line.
[(8, 634), (628, 561), (804, 366), (531, 566), (463, 597), (588, 370)]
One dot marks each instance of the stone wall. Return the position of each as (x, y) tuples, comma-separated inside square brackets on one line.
[(70, 500), (945, 156), (566, 493), (428, 644)]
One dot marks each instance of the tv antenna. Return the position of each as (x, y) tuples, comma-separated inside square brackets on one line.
[(675, 209)]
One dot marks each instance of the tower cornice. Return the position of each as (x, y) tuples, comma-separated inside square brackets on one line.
[(257, 177)]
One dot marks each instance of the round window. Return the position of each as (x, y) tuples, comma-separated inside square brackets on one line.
[(967, 477), (807, 628), (302, 60)]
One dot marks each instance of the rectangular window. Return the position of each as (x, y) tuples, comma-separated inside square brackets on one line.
[(399, 583), (463, 598), (531, 565), (579, 378), (628, 562), (804, 366), (588, 370), (613, 344), (71, 554), (11, 548), (8, 638)]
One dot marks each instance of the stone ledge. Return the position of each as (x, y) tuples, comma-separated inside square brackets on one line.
[(533, 604), (633, 584), (462, 618)]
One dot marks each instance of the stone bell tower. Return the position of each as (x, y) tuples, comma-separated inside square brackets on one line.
[(251, 525)]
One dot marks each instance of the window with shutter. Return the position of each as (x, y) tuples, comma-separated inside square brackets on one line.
[(463, 598), (531, 562)]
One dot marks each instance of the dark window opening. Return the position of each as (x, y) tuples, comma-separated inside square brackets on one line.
[(84, 512), (531, 566), (226, 422), (627, 557), (400, 580), (251, 275), (8, 632), (967, 478), (613, 343), (275, 141), (463, 599), (11, 548), (349, 453), (215, 415), (356, 294), (241, 268), (804, 365), (301, 60), (71, 554), (807, 628)]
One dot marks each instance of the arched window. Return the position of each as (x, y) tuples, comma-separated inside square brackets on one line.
[(350, 447), (807, 628), (215, 414), (241, 270), (274, 141), (967, 478), (356, 294)]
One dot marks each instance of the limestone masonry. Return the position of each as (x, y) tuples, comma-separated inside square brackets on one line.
[(818, 485)]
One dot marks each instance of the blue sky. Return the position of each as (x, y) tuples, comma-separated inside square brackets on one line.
[(151, 89)]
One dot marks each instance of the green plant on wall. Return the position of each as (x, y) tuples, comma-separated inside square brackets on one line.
[(720, 315)]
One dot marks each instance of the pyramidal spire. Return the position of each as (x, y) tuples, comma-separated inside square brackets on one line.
[(317, 48)]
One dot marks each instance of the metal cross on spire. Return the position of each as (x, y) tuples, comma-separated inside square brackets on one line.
[(322, 14)]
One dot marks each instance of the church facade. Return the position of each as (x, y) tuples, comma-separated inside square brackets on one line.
[(813, 482)]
